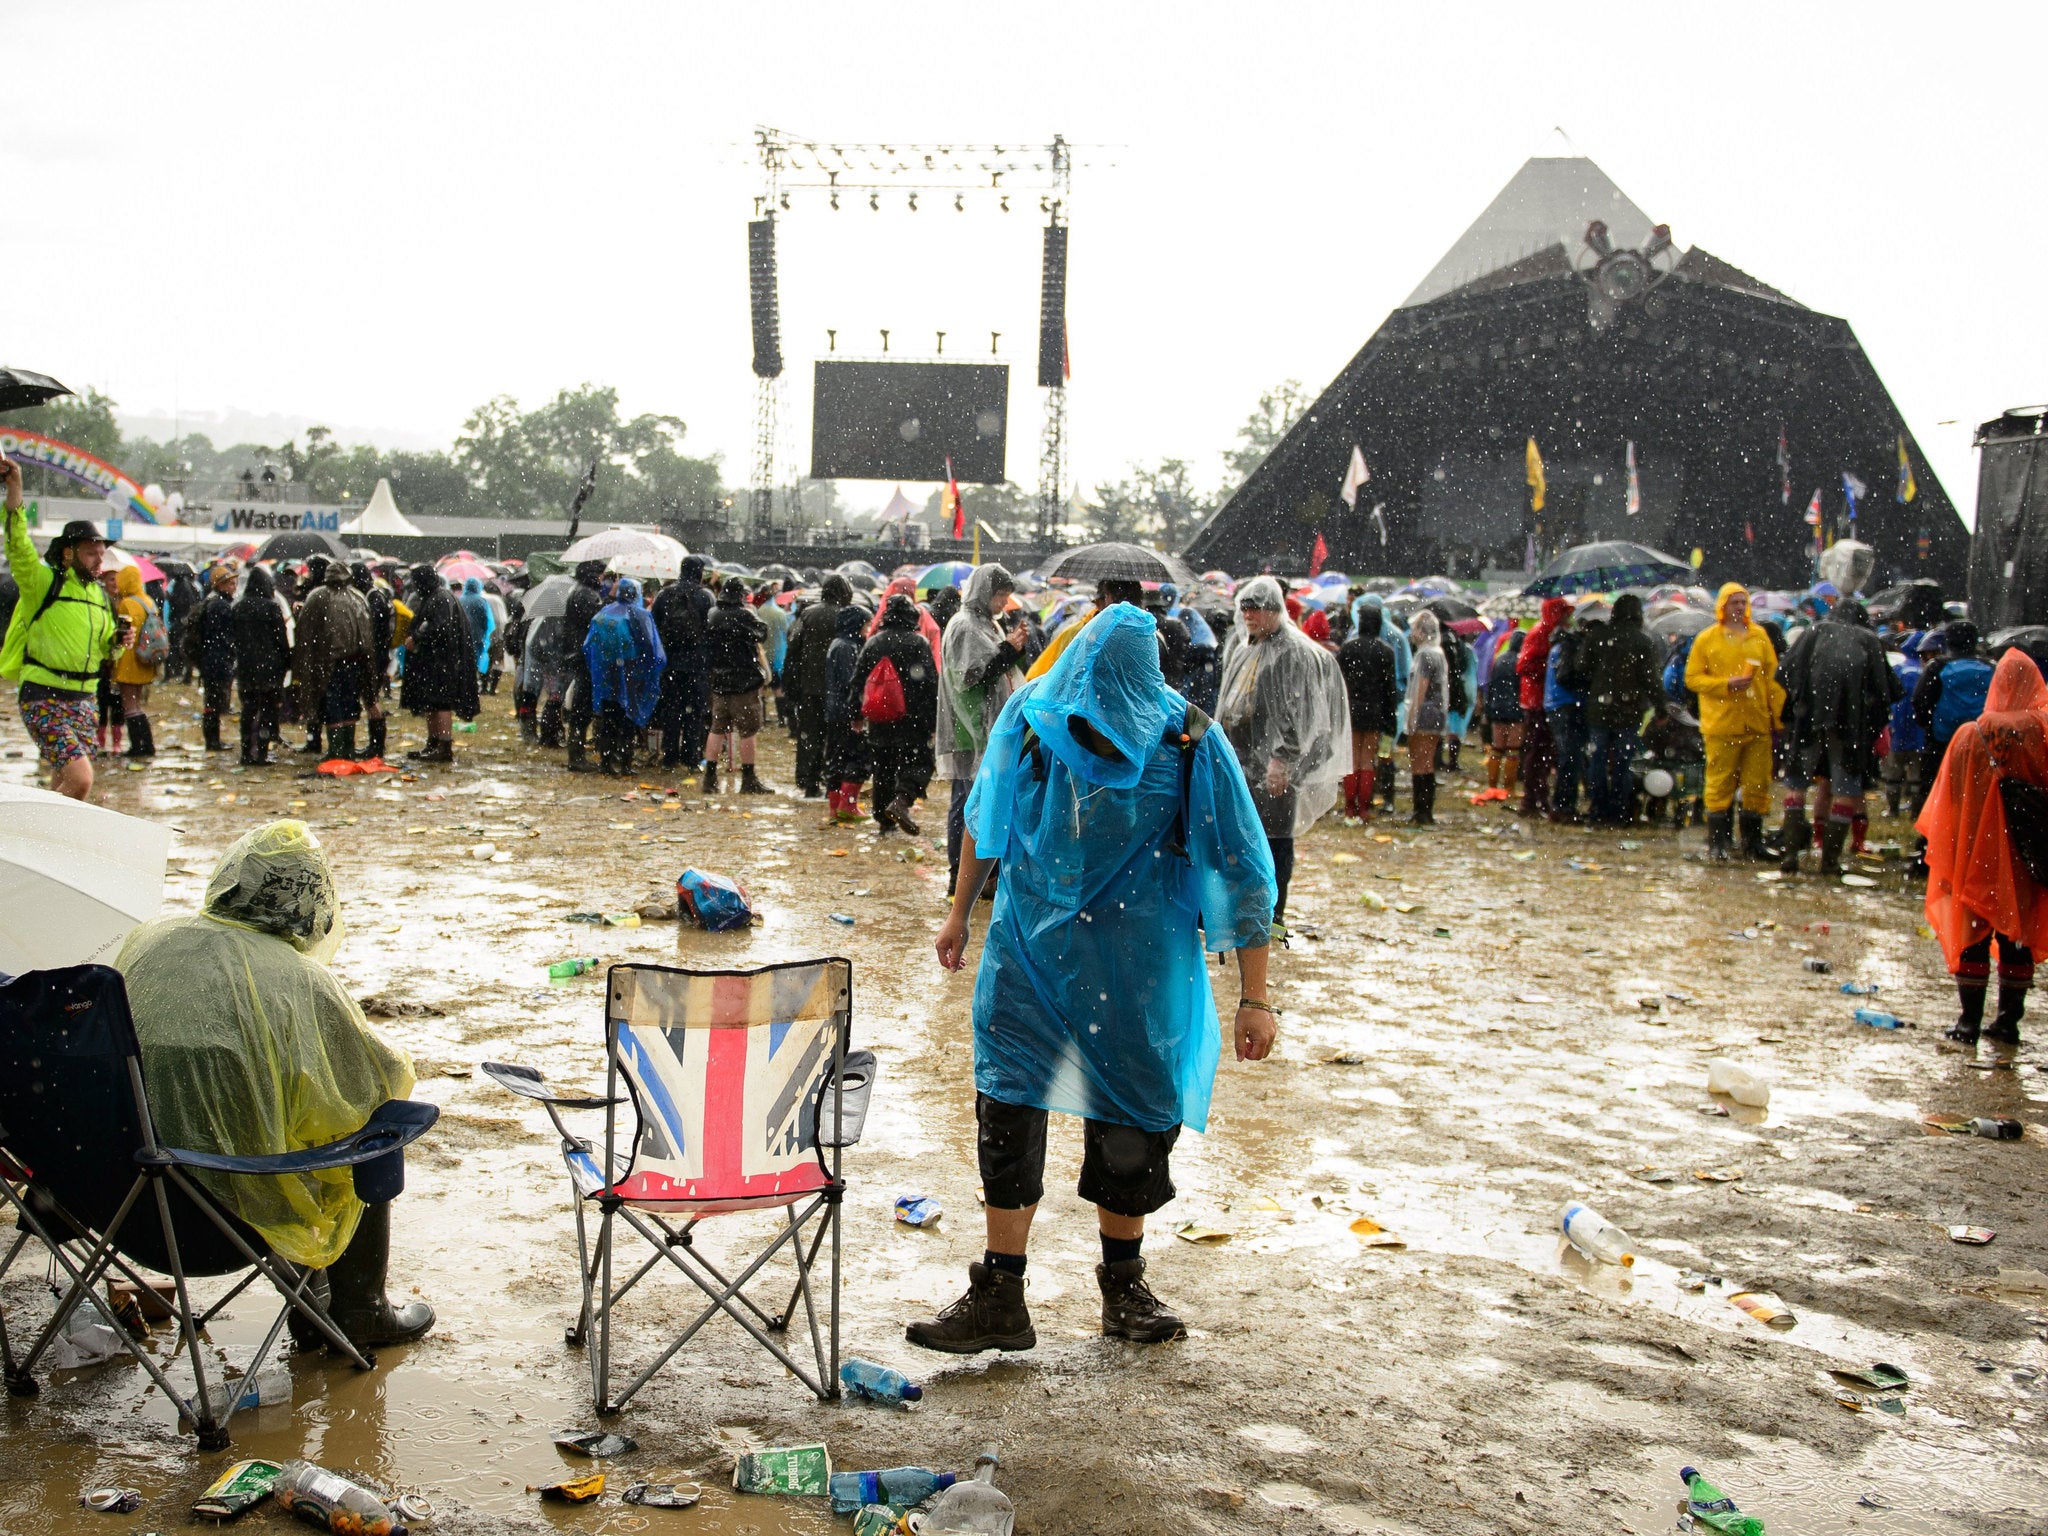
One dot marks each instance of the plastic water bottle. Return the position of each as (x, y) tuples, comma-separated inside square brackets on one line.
[(266, 1389), (975, 1506), (563, 970), (872, 1383), (1877, 1018), (1738, 1082), (1996, 1129), (1594, 1235), (1714, 1509), (323, 1498), (898, 1486)]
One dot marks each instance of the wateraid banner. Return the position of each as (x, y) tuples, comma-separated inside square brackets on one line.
[(277, 520)]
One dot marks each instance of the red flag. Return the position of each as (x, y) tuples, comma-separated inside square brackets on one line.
[(1318, 555), (1748, 531), (955, 504)]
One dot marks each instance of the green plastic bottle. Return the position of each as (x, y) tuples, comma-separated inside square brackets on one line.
[(1714, 1509), (563, 970)]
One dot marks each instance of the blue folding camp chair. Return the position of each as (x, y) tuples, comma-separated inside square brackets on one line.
[(745, 1092), (82, 1170)]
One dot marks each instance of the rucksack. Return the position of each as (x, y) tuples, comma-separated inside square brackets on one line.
[(1964, 683), (881, 700), (152, 646), (1454, 655)]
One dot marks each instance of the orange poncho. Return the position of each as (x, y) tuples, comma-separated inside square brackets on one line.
[(1975, 886)]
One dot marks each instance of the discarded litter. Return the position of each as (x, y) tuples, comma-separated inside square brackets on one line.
[(1594, 1235), (1818, 966), (1651, 1175), (329, 1500), (1860, 989), (85, 1341), (867, 1382), (844, 919), (918, 1210), (1195, 1232), (805, 1469), (564, 970), (1373, 1235), (1975, 1237), (1765, 1308), (1993, 1128), (664, 1495), (1696, 1280), (1372, 901), (898, 1486), (1881, 1377), (238, 1490), (414, 1509), (1714, 1109), (713, 902), (973, 1506), (1724, 1175), (1714, 1509), (571, 1490), (113, 1501), (595, 919), (1342, 1059), (1738, 1082), (597, 1445), (1856, 1402), (1861, 882), (1877, 1018), (622, 919)]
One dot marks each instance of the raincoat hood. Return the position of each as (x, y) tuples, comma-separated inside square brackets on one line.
[(1959, 637), (1732, 589), (849, 622), (589, 573), (1367, 619), (337, 575), (1262, 592), (1555, 611), (1424, 631), (275, 880), (261, 588), (128, 581), (472, 586), (425, 579), (1628, 612), (1110, 677), (982, 587), (627, 591)]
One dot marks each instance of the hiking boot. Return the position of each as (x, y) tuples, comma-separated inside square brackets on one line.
[(899, 812), (1130, 1310), (710, 778), (750, 782), (1720, 836), (992, 1315), (1793, 837)]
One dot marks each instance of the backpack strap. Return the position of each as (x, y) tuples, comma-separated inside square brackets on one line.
[(53, 595), (1184, 741)]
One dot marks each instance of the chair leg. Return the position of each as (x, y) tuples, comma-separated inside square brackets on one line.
[(574, 1336), (828, 1380), (213, 1433), (601, 1357)]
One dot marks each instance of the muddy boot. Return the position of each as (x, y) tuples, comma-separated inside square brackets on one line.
[(750, 782), (1423, 792), (1383, 783), (1970, 1015), (341, 741), (529, 732), (1753, 837), (1720, 836), (304, 1335), (134, 737), (551, 723), (2004, 1028), (899, 812), (992, 1315), (142, 731), (1832, 835), (1793, 836), (1130, 1310), (710, 777), (360, 1307), (377, 738)]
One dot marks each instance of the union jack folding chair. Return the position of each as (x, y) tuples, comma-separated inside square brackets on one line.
[(84, 1174), (745, 1092)]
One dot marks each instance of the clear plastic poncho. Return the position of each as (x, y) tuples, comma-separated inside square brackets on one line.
[(1093, 994), (251, 1046), (1283, 697), (970, 700)]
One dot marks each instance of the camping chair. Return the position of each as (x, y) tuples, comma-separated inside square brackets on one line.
[(81, 1169), (744, 1093)]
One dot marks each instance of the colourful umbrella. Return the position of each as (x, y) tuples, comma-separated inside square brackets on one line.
[(947, 573), (462, 570)]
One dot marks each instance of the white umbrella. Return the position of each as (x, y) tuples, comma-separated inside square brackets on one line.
[(74, 879), (664, 562), (614, 542)]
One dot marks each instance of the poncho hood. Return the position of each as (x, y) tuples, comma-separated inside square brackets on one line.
[(275, 880), (1110, 677)]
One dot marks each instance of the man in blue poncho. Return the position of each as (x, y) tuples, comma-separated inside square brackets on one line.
[(626, 660), (1126, 837)]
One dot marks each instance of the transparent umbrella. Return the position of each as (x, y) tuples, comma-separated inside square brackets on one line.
[(78, 877)]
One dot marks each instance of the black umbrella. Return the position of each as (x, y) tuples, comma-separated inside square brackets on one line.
[(1606, 567), (302, 544), (2031, 638), (1451, 609), (1117, 562), (20, 389)]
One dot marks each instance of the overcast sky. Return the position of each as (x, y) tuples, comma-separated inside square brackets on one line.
[(379, 215)]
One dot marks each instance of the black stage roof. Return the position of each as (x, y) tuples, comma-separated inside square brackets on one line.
[(1526, 329)]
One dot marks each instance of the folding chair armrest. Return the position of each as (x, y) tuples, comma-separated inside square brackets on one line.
[(529, 1084), (856, 1087), (394, 1124)]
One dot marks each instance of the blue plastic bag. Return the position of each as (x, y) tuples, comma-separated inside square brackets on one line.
[(713, 902)]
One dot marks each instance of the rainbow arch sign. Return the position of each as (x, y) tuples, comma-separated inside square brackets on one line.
[(97, 475)]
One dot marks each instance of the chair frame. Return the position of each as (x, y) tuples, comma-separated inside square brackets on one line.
[(849, 1079), (393, 1126)]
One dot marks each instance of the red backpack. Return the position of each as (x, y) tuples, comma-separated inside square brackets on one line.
[(881, 701)]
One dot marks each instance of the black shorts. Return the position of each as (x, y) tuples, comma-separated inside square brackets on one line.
[(1123, 1169)]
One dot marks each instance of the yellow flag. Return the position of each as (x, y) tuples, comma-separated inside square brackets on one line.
[(1908, 486), (1535, 475)]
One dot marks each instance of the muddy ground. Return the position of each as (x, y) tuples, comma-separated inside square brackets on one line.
[(1537, 1028)]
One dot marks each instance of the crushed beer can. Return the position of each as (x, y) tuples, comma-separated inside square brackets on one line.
[(238, 1490)]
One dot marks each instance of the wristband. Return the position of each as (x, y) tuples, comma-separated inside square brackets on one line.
[(1263, 1007)]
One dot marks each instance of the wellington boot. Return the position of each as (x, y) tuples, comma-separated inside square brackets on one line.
[(361, 1309), (1753, 837), (377, 739), (303, 1333), (1383, 782), (710, 778), (750, 782), (1970, 1017), (2004, 1028), (1424, 796), (341, 742), (1130, 1310), (579, 758), (134, 738), (1792, 837), (992, 1315), (1832, 835), (142, 736), (1720, 836)]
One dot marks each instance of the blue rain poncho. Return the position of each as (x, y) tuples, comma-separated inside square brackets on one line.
[(1093, 994), (625, 655), (482, 622)]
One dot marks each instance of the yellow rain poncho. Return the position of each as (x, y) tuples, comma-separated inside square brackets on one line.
[(250, 1045)]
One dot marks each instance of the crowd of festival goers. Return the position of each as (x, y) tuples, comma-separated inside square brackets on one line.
[(1600, 711)]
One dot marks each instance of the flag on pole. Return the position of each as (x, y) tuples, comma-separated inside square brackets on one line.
[(1748, 531), (1853, 488), (1635, 487), (1813, 509), (1379, 521), (1355, 475), (1784, 469), (953, 504), (1533, 462), (1908, 486), (1318, 555)]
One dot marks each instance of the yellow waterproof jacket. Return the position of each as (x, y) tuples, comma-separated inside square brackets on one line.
[(1717, 659), (135, 608), (61, 644)]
